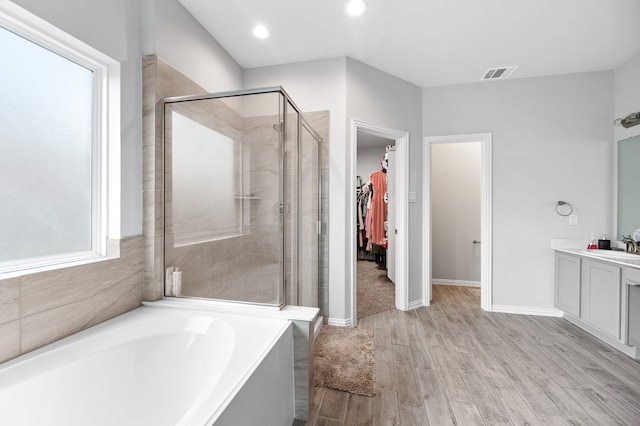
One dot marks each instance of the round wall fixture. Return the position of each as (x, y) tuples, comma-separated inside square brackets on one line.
[(563, 208)]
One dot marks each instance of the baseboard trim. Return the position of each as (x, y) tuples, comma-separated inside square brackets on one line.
[(339, 322), (461, 283), (631, 351), (415, 304), (523, 310)]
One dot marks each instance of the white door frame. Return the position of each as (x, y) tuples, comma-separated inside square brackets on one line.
[(486, 233), (402, 212)]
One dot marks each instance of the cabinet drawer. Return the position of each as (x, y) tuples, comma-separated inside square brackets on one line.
[(631, 276)]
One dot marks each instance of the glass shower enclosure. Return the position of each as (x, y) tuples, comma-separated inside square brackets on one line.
[(242, 198)]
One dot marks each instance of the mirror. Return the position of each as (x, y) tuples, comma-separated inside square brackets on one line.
[(628, 200)]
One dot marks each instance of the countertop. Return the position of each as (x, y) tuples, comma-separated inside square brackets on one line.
[(593, 255)]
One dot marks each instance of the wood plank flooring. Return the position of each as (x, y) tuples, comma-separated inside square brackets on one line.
[(452, 363)]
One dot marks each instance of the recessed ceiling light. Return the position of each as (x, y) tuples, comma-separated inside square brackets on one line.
[(260, 31), (355, 7)]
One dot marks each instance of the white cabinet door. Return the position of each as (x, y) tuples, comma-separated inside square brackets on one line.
[(630, 307), (567, 284), (600, 304)]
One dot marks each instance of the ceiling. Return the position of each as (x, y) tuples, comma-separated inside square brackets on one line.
[(431, 42)]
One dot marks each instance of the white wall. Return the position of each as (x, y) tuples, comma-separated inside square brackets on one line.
[(350, 89), (627, 96), (319, 86), (113, 28), (455, 220), (174, 35), (369, 161), (382, 99), (552, 141)]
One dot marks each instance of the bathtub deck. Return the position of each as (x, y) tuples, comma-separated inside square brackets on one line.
[(453, 363)]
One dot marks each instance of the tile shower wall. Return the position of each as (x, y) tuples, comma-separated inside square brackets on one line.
[(40, 308), (159, 80), (214, 269)]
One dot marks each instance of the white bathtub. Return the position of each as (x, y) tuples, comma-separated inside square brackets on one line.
[(156, 366)]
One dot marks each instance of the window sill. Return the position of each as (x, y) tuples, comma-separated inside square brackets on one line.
[(113, 252)]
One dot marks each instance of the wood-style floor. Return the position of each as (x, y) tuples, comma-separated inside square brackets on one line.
[(452, 363)]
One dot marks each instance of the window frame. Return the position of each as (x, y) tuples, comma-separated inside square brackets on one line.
[(105, 139)]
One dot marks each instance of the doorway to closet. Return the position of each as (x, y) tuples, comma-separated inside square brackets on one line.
[(378, 220), (375, 227), (457, 220)]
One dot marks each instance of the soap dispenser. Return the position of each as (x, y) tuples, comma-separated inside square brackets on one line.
[(592, 243), (604, 243)]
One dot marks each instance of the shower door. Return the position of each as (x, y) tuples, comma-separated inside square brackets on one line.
[(242, 198), (302, 210), (223, 197)]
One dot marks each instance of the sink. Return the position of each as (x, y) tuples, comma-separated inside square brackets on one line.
[(613, 254)]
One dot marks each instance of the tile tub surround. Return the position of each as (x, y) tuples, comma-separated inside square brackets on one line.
[(43, 307), (161, 80)]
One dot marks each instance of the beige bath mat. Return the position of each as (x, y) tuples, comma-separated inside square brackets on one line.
[(343, 360)]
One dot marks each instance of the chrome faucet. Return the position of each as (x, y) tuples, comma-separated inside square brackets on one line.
[(632, 245)]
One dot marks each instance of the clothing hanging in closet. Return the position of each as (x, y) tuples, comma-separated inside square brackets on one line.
[(364, 194), (378, 212)]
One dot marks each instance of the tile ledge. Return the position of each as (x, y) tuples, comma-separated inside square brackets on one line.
[(56, 266)]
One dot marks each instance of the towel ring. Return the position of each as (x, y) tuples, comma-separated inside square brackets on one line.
[(563, 208)]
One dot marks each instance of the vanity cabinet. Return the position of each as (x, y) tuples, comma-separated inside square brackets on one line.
[(631, 306), (600, 304), (567, 278), (601, 297)]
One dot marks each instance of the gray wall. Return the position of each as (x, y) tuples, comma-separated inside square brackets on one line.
[(627, 96), (352, 90), (171, 33), (552, 140), (369, 161), (382, 99), (552, 137), (319, 86)]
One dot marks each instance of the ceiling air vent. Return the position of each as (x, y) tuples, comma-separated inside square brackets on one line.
[(499, 73)]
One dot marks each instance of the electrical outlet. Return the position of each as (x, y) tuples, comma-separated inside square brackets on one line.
[(573, 219)]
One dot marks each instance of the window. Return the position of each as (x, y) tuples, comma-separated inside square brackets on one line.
[(206, 177), (57, 115)]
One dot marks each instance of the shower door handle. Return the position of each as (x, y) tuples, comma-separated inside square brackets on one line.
[(281, 207)]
